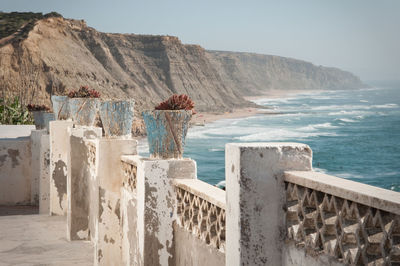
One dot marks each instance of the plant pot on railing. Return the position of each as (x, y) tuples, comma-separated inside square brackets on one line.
[(41, 115), (83, 105), (117, 117), (42, 119), (83, 111), (60, 107), (166, 132)]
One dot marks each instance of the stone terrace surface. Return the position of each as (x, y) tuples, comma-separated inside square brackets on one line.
[(40, 240)]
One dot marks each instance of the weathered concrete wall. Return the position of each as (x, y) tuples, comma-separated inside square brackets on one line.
[(15, 171), (255, 221), (293, 256), (59, 165), (190, 250), (15, 131), (129, 219), (44, 180), (108, 240), (156, 207), (78, 183), (36, 144), (93, 161)]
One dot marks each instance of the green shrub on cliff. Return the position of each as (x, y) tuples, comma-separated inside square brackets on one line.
[(12, 112), (23, 21)]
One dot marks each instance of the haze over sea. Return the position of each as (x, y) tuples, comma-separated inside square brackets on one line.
[(354, 134)]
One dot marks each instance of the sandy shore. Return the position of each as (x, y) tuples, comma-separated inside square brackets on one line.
[(202, 118)]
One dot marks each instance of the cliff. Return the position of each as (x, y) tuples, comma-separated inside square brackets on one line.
[(54, 55), (253, 74)]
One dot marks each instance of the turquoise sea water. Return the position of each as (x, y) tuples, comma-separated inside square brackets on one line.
[(353, 134)]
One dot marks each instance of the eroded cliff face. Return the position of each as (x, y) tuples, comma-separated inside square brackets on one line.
[(254, 74), (60, 54)]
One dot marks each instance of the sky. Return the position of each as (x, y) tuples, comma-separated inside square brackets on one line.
[(361, 36)]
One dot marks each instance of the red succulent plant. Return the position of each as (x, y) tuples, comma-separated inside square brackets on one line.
[(84, 92), (177, 102), (37, 107)]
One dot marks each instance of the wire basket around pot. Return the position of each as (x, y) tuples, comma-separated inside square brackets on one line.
[(117, 117), (83, 111), (60, 107), (166, 132)]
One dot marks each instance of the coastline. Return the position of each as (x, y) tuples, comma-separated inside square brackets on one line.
[(202, 118)]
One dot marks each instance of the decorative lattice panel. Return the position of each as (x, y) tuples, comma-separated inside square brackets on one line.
[(202, 218), (353, 233), (130, 172), (91, 154)]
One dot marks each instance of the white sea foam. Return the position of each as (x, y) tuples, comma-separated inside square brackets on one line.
[(363, 101), (346, 120), (320, 170), (347, 175), (388, 106), (317, 126), (215, 149), (281, 134)]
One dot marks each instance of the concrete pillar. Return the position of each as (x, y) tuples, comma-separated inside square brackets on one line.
[(44, 180), (36, 140), (107, 235), (156, 208), (59, 165), (255, 221), (78, 182)]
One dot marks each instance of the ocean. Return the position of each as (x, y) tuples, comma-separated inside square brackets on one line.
[(354, 134)]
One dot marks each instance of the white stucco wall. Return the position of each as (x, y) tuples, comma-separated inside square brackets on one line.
[(15, 171)]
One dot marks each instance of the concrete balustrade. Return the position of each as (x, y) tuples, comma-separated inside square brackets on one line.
[(142, 211), (255, 221)]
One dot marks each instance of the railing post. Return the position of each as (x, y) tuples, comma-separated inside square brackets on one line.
[(156, 208), (78, 183), (59, 165), (36, 154), (44, 178), (107, 235), (255, 222)]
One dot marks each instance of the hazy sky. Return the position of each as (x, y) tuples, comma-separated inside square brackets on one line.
[(361, 36)]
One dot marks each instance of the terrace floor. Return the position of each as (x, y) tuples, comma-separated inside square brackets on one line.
[(33, 239)]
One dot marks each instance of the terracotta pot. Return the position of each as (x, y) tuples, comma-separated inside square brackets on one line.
[(166, 132), (117, 117)]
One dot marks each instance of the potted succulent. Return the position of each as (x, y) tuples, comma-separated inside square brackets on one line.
[(117, 117), (83, 105), (167, 126), (41, 115), (60, 107)]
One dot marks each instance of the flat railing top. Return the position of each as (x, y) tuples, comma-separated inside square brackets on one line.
[(203, 190), (375, 197), (130, 159)]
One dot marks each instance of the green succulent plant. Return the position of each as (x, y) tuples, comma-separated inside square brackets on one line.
[(12, 112)]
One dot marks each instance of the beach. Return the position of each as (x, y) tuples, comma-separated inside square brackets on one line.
[(202, 118)]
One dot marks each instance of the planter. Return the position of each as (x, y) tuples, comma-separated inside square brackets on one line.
[(83, 111), (42, 119), (60, 107), (117, 117), (166, 132)]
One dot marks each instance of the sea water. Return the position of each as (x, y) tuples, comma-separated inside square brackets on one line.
[(354, 134)]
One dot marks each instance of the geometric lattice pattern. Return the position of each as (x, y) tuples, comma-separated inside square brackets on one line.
[(92, 154), (202, 218), (353, 233), (130, 172)]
